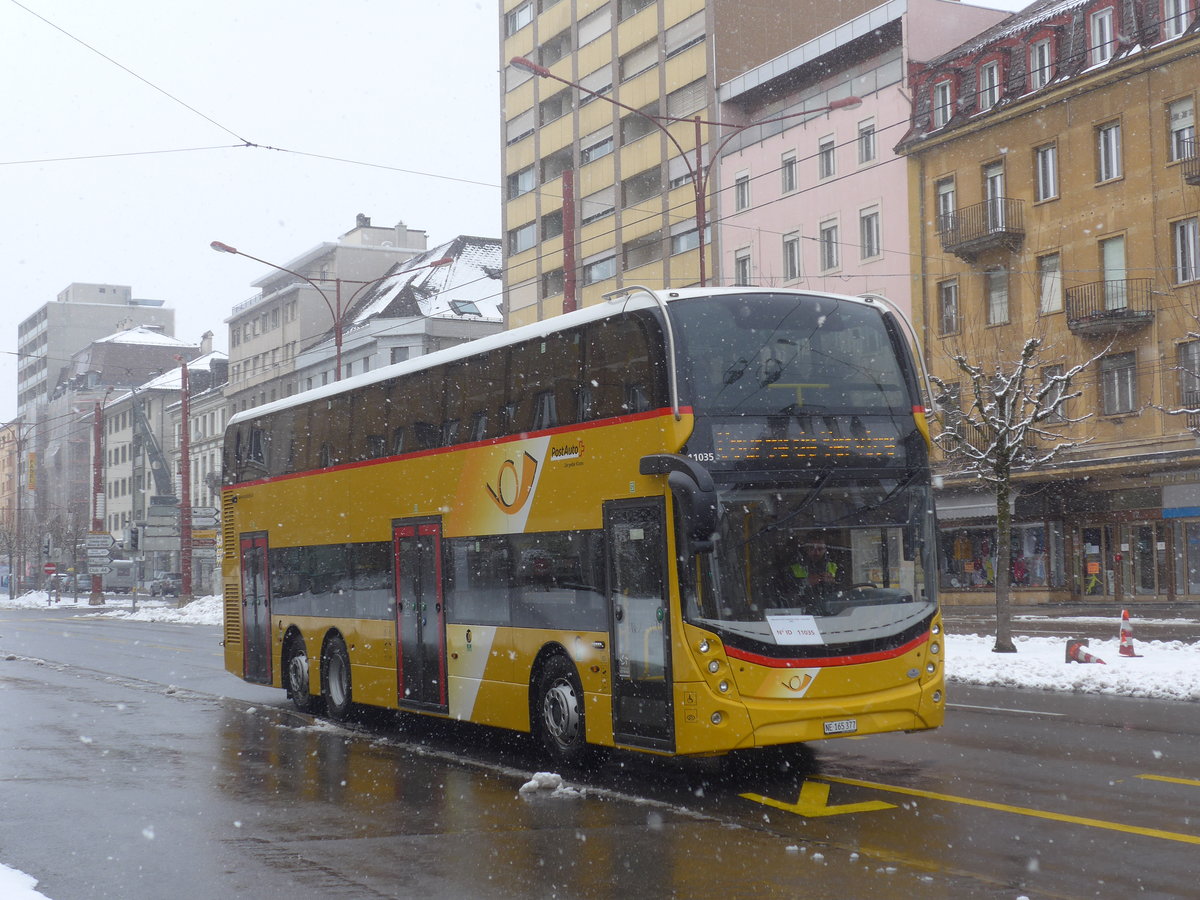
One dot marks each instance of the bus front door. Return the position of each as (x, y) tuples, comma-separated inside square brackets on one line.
[(256, 610), (639, 625), (420, 617)]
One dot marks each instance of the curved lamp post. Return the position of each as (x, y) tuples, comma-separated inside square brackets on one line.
[(697, 171), (335, 307)]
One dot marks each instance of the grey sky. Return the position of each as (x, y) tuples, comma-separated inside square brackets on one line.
[(390, 83)]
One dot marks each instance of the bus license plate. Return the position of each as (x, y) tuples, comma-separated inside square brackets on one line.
[(841, 726)]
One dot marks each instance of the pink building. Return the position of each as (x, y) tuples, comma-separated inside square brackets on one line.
[(820, 202)]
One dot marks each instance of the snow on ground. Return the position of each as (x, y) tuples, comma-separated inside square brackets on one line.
[(1166, 670)]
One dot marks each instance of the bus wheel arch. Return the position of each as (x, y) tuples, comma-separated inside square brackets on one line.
[(297, 675), (336, 688), (557, 716)]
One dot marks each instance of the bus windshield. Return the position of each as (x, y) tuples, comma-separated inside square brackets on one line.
[(838, 559), (762, 354)]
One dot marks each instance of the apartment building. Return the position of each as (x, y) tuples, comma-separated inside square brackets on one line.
[(819, 201), (599, 178), (1057, 194), (289, 313)]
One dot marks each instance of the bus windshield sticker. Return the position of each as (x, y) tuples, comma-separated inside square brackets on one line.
[(795, 629)]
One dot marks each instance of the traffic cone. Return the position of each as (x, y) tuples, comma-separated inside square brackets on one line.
[(1127, 635), (1076, 653)]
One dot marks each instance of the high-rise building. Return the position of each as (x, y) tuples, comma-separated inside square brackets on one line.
[(80, 314), (630, 211)]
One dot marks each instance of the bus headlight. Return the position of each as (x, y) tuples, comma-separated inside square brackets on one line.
[(714, 667), (937, 629), (704, 645), (930, 668), (937, 696), (723, 687), (935, 647), (716, 718)]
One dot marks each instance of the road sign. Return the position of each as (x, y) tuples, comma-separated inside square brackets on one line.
[(203, 521), (205, 534), (50, 568), (204, 552), (99, 570), (164, 511), (99, 540), (156, 544), (97, 553), (203, 511), (162, 521), (204, 542)]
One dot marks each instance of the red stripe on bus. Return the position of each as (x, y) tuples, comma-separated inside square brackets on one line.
[(454, 448), (821, 662)]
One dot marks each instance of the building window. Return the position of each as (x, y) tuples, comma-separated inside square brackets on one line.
[(948, 321), (1181, 120), (596, 147), (1052, 381), (1188, 355), (552, 224), (1175, 15), (637, 125), (989, 85), (826, 161), (866, 142), (522, 238), (629, 8), (741, 268), (1050, 289), (640, 187), (1108, 151), (685, 240), (1118, 383), (945, 202), (741, 193), (599, 270), (1103, 36), (554, 107), (868, 233), (996, 287), (552, 283), (554, 49), (1041, 64), (787, 173), (791, 256), (1045, 160), (521, 182), (828, 240), (1186, 236), (641, 251), (943, 102), (639, 60), (518, 19)]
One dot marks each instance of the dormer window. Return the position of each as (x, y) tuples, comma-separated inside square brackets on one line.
[(1041, 63), (989, 85), (943, 102), (1175, 17), (1102, 32)]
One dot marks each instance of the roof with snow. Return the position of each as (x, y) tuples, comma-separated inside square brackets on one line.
[(466, 288), (143, 336), (172, 379)]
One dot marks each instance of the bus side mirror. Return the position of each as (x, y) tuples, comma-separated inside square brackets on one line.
[(695, 495)]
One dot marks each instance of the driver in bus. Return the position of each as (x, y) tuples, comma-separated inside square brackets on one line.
[(814, 572)]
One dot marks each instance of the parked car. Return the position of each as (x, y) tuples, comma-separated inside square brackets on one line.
[(168, 584)]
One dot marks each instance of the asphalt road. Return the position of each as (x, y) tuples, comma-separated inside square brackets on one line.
[(132, 766)]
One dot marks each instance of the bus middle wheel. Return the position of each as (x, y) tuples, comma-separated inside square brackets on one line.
[(335, 679), (295, 667)]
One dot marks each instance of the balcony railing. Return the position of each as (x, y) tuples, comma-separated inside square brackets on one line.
[(1190, 161), (990, 225), (1106, 307)]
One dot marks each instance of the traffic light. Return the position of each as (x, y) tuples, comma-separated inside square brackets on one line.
[(134, 537)]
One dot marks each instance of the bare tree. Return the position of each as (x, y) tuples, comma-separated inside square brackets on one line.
[(1011, 420)]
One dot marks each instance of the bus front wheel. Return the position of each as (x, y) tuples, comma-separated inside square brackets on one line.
[(560, 710), (335, 679), (295, 665)]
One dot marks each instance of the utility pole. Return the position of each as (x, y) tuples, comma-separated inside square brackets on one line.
[(185, 486), (97, 596)]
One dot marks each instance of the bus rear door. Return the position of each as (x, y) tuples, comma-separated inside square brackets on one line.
[(420, 617), (639, 623), (256, 609)]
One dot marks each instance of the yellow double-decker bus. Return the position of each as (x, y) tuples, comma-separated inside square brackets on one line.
[(682, 522)]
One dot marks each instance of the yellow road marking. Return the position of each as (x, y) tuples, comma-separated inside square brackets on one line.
[(814, 802), (1191, 782), (1023, 811)]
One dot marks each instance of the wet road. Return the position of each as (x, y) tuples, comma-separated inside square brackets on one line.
[(131, 766)]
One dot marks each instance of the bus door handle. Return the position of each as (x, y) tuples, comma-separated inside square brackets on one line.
[(619, 613)]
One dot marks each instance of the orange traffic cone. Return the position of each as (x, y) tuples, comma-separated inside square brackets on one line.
[(1076, 653), (1126, 635)]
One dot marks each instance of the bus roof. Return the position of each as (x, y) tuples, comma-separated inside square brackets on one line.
[(631, 298)]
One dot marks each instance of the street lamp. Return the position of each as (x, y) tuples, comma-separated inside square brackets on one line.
[(697, 172), (335, 308)]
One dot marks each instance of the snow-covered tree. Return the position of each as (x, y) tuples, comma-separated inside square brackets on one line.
[(1008, 417)]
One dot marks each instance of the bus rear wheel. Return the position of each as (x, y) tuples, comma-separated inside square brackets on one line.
[(335, 679), (559, 711), (295, 667)]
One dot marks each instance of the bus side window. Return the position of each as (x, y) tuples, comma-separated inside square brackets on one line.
[(398, 440), (478, 429), (545, 411)]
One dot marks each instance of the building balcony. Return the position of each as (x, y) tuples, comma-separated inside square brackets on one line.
[(1191, 400), (1107, 307), (1190, 162), (997, 224)]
